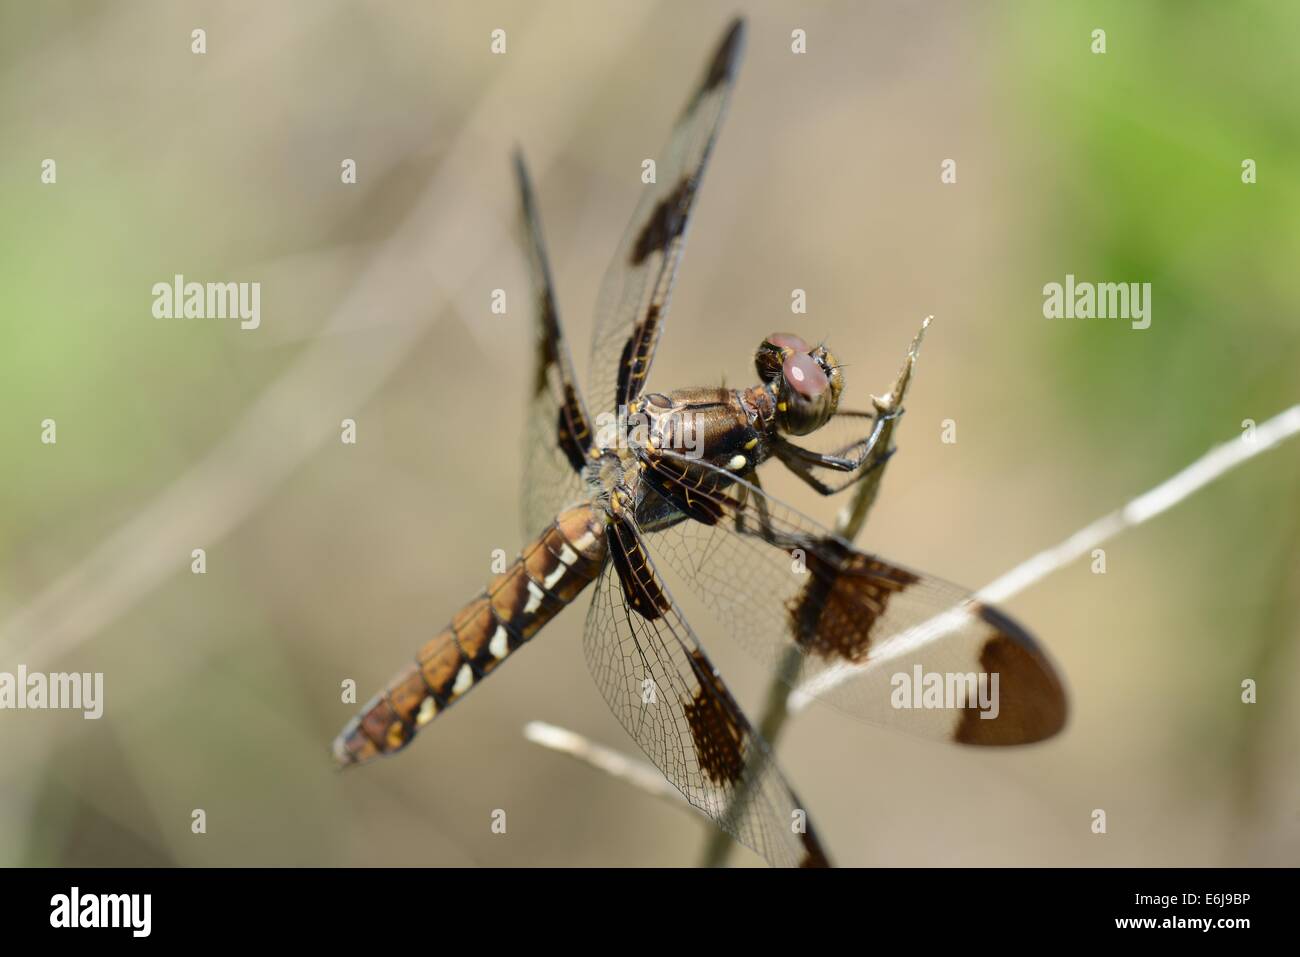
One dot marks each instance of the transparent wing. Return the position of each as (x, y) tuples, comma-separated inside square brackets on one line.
[(849, 627), (634, 294), (558, 431), (665, 692)]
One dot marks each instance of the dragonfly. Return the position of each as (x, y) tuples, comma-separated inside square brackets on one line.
[(669, 480)]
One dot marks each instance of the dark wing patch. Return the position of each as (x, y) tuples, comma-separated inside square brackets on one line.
[(665, 692), (666, 223), (847, 594), (558, 434), (638, 351), (719, 738), (778, 581), (635, 291), (572, 432), (640, 587), (549, 334)]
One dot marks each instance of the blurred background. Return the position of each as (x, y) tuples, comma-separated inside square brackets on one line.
[(328, 561)]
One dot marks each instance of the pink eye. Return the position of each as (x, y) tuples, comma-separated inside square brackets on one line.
[(804, 375), (788, 340)]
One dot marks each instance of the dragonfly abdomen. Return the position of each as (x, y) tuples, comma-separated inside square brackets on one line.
[(548, 575)]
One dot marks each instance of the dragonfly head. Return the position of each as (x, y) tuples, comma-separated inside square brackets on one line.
[(806, 381)]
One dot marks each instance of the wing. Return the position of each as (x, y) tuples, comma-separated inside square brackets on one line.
[(634, 293), (558, 433), (887, 644), (663, 689)]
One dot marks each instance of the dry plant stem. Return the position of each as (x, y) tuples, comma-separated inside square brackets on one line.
[(641, 775), (1220, 459), (848, 525)]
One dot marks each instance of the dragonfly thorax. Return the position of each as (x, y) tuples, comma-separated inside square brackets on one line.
[(728, 428)]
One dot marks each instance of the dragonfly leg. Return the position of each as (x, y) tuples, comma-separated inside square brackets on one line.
[(861, 463), (764, 530)]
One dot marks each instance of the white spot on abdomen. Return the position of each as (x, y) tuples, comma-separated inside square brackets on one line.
[(549, 581), (535, 597), (500, 643), (464, 680)]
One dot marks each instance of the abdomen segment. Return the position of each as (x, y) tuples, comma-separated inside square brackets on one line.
[(550, 573)]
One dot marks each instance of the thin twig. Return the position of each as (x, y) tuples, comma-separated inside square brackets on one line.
[(1202, 472), (776, 708), (640, 774), (1210, 466), (854, 515)]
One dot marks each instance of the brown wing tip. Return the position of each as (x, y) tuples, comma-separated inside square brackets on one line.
[(1033, 704), (722, 69)]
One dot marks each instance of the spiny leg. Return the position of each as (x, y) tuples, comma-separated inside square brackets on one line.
[(801, 461)]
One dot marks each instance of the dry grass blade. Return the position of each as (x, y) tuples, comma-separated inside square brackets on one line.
[(640, 774)]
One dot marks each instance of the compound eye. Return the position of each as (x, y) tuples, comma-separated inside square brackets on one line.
[(805, 376), (787, 340)]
